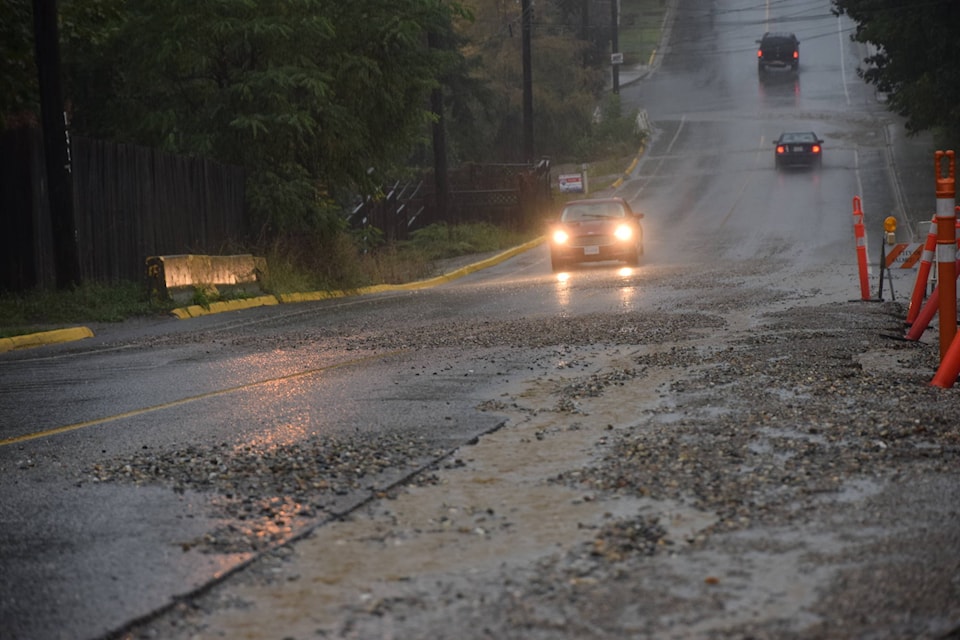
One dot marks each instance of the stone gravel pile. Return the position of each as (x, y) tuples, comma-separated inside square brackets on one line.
[(265, 493), (758, 428), (777, 432), (826, 467)]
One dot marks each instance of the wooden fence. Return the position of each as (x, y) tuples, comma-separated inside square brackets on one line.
[(133, 202), (130, 202)]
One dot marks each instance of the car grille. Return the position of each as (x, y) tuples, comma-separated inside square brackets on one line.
[(591, 241)]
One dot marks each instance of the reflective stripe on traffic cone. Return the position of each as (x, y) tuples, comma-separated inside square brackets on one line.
[(860, 233), (928, 310), (946, 247)]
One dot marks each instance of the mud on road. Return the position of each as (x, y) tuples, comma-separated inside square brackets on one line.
[(762, 460)]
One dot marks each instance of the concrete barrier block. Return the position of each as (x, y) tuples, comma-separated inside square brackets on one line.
[(177, 277)]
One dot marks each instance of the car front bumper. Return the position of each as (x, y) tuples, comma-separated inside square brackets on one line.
[(584, 251)]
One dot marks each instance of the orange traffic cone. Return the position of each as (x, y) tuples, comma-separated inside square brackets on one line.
[(923, 273)]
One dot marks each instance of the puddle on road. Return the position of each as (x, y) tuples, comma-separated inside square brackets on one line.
[(494, 507)]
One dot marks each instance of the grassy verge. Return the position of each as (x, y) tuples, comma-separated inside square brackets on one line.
[(294, 266), (639, 35), (43, 310), (601, 175)]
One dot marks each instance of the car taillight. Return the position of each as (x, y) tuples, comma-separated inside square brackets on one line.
[(816, 148), (623, 232), (796, 55), (560, 236), (781, 148), (759, 53)]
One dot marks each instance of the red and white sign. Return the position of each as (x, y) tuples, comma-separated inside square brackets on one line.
[(571, 183)]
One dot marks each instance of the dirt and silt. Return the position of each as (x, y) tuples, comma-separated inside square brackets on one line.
[(747, 461)]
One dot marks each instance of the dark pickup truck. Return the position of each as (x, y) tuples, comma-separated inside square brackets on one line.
[(778, 50)]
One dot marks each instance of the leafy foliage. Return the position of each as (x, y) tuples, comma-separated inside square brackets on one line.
[(307, 95), (916, 62), (566, 88), (91, 302), (18, 87), (439, 241), (317, 99)]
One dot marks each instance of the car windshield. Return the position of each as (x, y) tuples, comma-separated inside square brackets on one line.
[(592, 211), (798, 137), (777, 41)]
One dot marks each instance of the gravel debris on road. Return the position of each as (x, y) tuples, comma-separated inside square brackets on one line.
[(759, 462)]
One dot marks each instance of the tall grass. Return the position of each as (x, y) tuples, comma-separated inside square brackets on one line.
[(302, 263), (92, 302), (639, 34)]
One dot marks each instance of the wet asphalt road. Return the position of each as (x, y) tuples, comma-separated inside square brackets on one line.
[(82, 558)]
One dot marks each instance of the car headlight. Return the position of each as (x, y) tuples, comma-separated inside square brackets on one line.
[(623, 233), (560, 236)]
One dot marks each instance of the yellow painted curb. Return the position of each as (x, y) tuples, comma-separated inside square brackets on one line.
[(626, 174), (311, 296), (44, 337), (196, 310), (420, 284), (470, 268)]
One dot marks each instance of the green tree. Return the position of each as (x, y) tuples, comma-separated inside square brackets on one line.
[(90, 57), (19, 97), (84, 28), (917, 61), (565, 93), (309, 96), (315, 98)]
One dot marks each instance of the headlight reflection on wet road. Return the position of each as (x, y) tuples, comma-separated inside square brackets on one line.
[(187, 400), (563, 290), (628, 292)]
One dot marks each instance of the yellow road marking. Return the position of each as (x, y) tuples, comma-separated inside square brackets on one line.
[(176, 403)]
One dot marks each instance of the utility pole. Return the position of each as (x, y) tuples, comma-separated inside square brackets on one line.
[(585, 28), (585, 20), (526, 22), (441, 182), (614, 43), (66, 255)]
